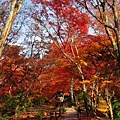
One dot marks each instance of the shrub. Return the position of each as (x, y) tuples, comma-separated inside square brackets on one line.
[(14, 104), (4, 117), (116, 110), (39, 115)]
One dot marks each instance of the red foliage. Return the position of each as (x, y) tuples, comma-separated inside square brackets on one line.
[(64, 10)]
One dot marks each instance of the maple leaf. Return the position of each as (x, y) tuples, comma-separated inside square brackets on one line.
[(102, 106), (83, 62)]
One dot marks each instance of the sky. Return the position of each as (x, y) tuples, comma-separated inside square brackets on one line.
[(24, 21)]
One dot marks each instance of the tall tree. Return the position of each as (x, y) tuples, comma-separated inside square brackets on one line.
[(14, 8), (107, 13), (64, 24)]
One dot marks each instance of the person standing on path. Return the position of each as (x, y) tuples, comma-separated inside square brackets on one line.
[(61, 98)]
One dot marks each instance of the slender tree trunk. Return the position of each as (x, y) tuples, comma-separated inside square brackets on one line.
[(110, 107), (97, 98), (108, 97), (92, 96), (10, 91), (84, 91), (111, 25), (15, 8), (71, 90), (78, 66)]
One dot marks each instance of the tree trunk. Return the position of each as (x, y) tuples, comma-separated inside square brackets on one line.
[(15, 8), (110, 24), (86, 103), (84, 91), (108, 97), (71, 90), (110, 107)]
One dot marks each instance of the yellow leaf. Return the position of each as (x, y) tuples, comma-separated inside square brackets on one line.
[(95, 76), (102, 106), (83, 62), (85, 81)]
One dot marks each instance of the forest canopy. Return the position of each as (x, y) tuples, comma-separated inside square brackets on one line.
[(71, 46)]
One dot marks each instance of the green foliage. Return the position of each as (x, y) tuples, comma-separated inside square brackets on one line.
[(79, 97), (14, 104), (116, 105), (46, 101), (36, 101), (72, 104), (39, 115), (4, 117), (116, 110), (63, 110), (52, 118)]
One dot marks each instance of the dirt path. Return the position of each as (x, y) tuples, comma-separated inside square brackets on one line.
[(71, 114)]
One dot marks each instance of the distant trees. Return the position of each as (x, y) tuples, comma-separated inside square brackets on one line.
[(58, 50)]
